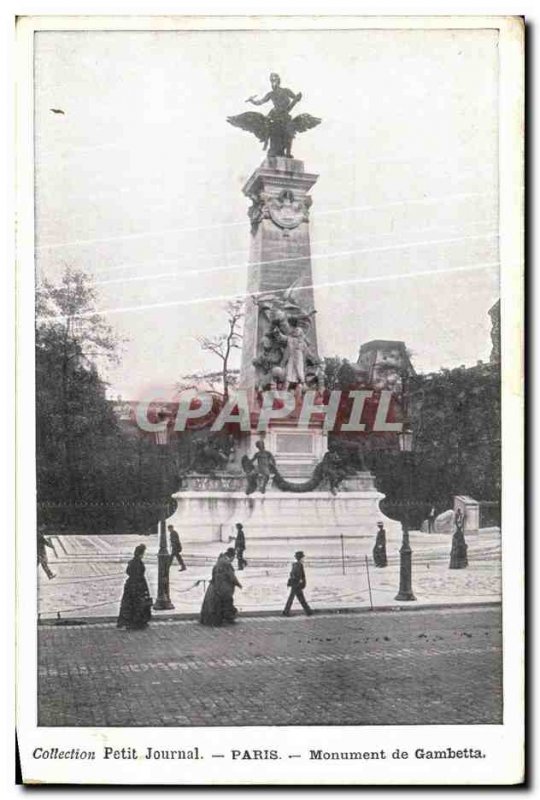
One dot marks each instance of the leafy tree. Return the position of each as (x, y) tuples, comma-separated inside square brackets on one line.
[(455, 417), (339, 373), (71, 405), (91, 474), (456, 414)]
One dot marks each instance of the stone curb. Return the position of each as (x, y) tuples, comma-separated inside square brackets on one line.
[(275, 613)]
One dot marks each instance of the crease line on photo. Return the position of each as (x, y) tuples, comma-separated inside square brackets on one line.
[(314, 243), (295, 258), (410, 201), (329, 284)]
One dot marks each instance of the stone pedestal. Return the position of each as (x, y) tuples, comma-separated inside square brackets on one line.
[(206, 516)]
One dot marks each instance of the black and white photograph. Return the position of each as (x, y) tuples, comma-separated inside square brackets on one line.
[(270, 352)]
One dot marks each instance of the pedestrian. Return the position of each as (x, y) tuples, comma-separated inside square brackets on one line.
[(297, 584), (176, 548), (211, 611), (458, 553), (459, 520), (431, 521), (136, 605), (240, 546), (379, 551), (42, 544), (218, 606)]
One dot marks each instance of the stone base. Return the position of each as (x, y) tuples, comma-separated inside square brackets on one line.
[(206, 516), (470, 508)]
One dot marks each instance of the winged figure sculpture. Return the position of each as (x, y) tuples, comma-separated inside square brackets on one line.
[(277, 129)]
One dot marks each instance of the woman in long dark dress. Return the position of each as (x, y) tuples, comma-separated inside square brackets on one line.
[(379, 551), (135, 608), (218, 606), (211, 611)]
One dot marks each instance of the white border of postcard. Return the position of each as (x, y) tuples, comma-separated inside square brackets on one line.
[(502, 744)]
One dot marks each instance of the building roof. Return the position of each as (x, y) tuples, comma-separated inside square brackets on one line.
[(375, 344), (382, 343)]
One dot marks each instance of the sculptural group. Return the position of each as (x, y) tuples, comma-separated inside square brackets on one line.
[(278, 129), (285, 358), (335, 466)]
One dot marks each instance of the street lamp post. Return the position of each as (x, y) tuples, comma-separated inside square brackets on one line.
[(163, 600), (405, 553)]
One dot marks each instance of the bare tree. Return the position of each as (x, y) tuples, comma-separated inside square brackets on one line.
[(223, 344), (210, 381)]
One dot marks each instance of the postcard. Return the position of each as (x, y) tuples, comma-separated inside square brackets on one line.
[(270, 400)]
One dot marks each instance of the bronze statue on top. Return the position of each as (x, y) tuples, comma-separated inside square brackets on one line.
[(278, 128)]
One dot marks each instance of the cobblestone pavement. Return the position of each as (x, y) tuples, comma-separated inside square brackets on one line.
[(393, 668)]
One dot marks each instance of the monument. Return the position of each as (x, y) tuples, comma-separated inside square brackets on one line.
[(281, 479)]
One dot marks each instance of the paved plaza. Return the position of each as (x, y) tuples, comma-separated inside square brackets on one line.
[(374, 668), (90, 573)]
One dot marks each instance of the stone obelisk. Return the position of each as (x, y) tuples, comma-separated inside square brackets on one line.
[(280, 251), (280, 282)]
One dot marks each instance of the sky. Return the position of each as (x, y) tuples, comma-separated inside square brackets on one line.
[(139, 183)]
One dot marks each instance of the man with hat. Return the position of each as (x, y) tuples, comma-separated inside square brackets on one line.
[(297, 584), (379, 551), (240, 545), (176, 548)]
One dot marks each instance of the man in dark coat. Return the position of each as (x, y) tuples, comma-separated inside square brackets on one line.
[(240, 545), (176, 548), (42, 543), (297, 584), (379, 551)]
